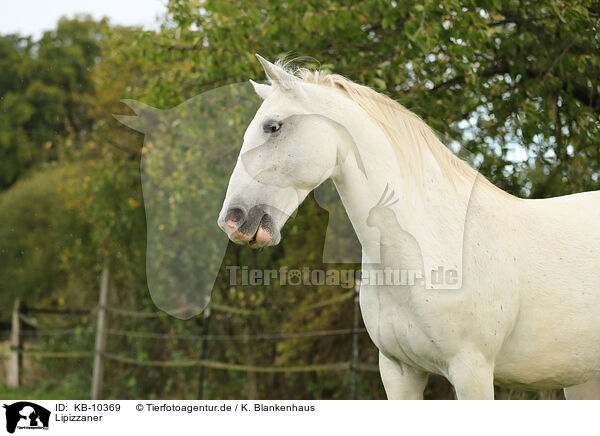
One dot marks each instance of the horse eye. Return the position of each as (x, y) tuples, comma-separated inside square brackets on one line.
[(272, 127)]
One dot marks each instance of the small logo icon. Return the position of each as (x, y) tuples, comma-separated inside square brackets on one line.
[(26, 415)]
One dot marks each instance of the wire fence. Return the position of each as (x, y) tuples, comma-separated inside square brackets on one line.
[(22, 316)]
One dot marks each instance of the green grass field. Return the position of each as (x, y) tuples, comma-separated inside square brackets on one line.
[(48, 392)]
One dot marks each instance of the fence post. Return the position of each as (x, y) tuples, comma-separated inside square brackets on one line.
[(354, 341), (203, 352), (100, 346), (14, 363)]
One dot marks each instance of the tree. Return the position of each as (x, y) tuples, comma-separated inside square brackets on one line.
[(516, 82), (44, 93)]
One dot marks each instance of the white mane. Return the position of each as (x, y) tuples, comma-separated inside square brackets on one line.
[(401, 126)]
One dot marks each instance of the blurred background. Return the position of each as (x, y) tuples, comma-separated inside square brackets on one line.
[(516, 82)]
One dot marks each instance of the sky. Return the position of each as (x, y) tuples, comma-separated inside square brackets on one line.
[(33, 17)]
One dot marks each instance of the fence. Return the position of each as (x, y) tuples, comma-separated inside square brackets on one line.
[(100, 355)]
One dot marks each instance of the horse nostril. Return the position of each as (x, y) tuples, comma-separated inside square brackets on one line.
[(235, 215)]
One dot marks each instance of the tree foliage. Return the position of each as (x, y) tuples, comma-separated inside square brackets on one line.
[(44, 94), (516, 82)]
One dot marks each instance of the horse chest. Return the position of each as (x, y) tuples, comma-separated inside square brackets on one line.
[(397, 329)]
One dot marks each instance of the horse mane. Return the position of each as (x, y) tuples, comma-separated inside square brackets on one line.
[(398, 123)]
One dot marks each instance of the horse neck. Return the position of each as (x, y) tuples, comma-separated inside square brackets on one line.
[(431, 207)]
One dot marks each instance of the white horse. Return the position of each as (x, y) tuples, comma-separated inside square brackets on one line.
[(526, 311)]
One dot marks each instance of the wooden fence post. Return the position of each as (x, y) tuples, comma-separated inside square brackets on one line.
[(203, 353), (100, 334), (14, 363)]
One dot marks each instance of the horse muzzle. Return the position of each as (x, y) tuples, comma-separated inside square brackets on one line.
[(255, 227)]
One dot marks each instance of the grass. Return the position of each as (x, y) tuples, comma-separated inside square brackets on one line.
[(48, 392)]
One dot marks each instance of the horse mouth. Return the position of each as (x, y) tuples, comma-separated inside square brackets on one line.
[(263, 235), (251, 241)]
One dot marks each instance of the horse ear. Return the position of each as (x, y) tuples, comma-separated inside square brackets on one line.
[(137, 106), (132, 121), (146, 119), (276, 74), (263, 91)]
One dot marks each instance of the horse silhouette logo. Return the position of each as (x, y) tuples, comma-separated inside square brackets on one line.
[(26, 415), (188, 156)]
